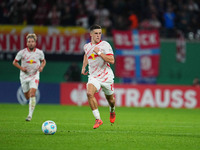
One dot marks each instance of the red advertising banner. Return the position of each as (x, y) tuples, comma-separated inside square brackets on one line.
[(146, 39), (73, 94), (162, 96), (48, 43), (149, 39), (125, 66), (137, 53), (57, 40), (149, 65), (123, 39)]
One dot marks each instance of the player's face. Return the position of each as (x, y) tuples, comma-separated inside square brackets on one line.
[(96, 35), (31, 43)]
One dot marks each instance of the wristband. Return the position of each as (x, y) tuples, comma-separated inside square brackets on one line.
[(99, 53)]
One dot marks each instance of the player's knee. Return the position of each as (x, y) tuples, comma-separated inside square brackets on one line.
[(112, 100), (27, 97), (90, 94), (32, 94)]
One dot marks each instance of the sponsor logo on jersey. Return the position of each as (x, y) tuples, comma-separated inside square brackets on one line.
[(31, 61), (92, 56)]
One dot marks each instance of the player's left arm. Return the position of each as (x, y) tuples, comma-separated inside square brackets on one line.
[(43, 63), (106, 57), (85, 63)]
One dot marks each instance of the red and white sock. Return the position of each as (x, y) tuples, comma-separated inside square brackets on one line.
[(32, 103), (96, 114), (112, 109)]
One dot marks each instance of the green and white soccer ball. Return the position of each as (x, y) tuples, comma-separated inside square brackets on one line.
[(49, 127)]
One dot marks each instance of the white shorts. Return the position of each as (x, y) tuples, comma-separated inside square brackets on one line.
[(27, 85), (107, 87)]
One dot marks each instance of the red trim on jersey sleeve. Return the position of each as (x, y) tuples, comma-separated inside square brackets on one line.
[(109, 54), (16, 60)]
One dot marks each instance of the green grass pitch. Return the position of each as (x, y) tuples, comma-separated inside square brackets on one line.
[(135, 128)]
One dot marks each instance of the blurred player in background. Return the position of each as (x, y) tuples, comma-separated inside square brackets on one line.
[(32, 63), (98, 55)]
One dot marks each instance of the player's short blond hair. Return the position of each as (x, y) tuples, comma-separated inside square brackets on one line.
[(33, 35)]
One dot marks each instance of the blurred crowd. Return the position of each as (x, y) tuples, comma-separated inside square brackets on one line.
[(168, 16)]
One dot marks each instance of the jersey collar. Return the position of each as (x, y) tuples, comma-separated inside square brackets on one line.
[(30, 50), (96, 43), (99, 42)]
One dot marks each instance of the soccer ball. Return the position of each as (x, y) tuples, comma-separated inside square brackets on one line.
[(49, 127)]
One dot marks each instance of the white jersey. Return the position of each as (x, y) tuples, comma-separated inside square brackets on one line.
[(31, 61), (98, 68)]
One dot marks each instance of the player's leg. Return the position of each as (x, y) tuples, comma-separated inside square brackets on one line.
[(26, 90), (108, 89), (32, 101), (111, 101), (27, 95), (92, 88)]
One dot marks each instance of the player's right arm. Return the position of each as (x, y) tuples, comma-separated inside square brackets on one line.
[(16, 64), (85, 62)]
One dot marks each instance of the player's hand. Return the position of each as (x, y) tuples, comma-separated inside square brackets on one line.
[(40, 69), (83, 71), (96, 50), (23, 69)]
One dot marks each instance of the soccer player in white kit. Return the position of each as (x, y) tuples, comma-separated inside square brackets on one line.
[(32, 63), (99, 55)]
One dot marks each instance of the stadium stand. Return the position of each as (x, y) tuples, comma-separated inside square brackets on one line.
[(167, 16)]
